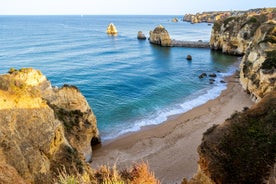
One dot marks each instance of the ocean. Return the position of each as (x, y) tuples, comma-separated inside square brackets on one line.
[(129, 83)]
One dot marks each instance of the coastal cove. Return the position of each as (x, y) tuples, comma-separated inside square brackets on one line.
[(170, 148), (75, 50), (81, 102)]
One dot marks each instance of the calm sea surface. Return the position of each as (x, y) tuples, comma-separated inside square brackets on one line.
[(127, 82)]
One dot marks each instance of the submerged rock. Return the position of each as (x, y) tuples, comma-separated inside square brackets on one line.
[(202, 75), (190, 44), (213, 75), (189, 57), (43, 129), (211, 81), (160, 36), (141, 36), (111, 29)]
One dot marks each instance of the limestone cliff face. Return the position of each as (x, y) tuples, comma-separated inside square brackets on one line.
[(242, 149), (160, 36), (213, 16), (254, 36), (43, 129), (233, 34), (258, 66)]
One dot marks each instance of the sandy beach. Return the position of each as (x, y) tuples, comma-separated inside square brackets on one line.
[(171, 147)]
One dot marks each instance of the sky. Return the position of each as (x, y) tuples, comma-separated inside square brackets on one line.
[(125, 7)]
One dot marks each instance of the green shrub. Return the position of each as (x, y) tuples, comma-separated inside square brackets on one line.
[(243, 150)]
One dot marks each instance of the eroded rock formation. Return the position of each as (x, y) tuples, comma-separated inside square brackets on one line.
[(242, 149), (43, 129), (213, 16), (160, 36), (258, 66), (141, 36), (111, 29), (233, 34), (254, 36)]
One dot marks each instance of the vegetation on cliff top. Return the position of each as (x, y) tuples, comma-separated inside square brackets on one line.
[(243, 149), (138, 174)]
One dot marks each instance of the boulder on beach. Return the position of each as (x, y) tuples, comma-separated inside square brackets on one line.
[(111, 29), (160, 36), (141, 36), (189, 57)]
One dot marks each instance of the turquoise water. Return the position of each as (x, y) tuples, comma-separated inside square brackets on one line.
[(127, 82)]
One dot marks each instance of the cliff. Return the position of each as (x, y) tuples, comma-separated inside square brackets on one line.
[(43, 130), (242, 149), (253, 36), (212, 16), (232, 35), (258, 66)]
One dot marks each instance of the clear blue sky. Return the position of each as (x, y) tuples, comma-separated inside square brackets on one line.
[(128, 7)]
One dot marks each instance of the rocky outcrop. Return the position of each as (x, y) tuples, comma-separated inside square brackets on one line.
[(174, 19), (233, 34), (160, 36), (190, 44), (209, 17), (242, 149), (213, 16), (254, 36), (111, 29), (43, 129), (189, 57), (141, 36), (258, 66)]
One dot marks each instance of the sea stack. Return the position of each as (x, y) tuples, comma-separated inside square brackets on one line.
[(141, 36), (111, 29), (174, 20), (160, 36)]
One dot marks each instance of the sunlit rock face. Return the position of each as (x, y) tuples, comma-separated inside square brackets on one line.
[(233, 34), (43, 129), (258, 66), (111, 29), (160, 36), (253, 36)]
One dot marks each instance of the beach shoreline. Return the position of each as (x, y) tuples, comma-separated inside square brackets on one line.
[(170, 148)]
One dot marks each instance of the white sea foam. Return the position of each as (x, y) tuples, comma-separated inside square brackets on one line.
[(161, 115)]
